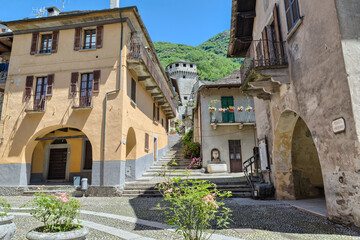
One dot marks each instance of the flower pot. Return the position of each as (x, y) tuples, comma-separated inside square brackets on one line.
[(7, 227), (211, 110), (240, 110), (79, 234), (231, 110), (249, 110)]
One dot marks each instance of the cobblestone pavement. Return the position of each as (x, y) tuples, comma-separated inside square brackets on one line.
[(127, 218)]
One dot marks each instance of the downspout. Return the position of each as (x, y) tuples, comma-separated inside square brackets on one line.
[(106, 100)]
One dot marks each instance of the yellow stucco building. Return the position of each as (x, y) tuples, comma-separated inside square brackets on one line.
[(85, 96)]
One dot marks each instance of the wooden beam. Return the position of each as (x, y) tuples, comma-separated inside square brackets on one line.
[(248, 14), (156, 99), (150, 88), (144, 78), (156, 94), (60, 138), (6, 47), (161, 103)]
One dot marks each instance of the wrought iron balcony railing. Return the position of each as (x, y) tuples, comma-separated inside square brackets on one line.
[(232, 117), (139, 52), (263, 54), (3, 76), (83, 100), (36, 104)]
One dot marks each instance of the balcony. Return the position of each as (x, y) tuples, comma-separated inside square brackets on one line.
[(142, 63), (239, 119), (83, 100), (264, 69), (3, 74), (35, 104)]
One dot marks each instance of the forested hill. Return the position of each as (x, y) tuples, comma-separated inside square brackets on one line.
[(209, 56)]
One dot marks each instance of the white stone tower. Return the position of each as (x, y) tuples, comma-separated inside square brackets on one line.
[(186, 75)]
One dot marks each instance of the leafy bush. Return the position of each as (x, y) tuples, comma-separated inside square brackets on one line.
[(192, 150), (188, 137), (4, 207), (192, 207), (56, 212)]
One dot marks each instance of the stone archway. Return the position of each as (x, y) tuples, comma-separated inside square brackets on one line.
[(60, 154), (131, 144), (296, 161)]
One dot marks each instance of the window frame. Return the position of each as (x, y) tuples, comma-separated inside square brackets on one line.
[(133, 90), (49, 41), (292, 24), (93, 36)]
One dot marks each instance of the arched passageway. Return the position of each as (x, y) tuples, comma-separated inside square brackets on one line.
[(131, 145), (297, 165), (60, 155)]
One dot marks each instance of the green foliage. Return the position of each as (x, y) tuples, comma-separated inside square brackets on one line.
[(4, 207), (192, 206), (192, 150), (219, 45), (188, 137), (212, 64), (56, 212)]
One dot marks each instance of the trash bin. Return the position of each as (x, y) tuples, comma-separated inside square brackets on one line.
[(84, 184), (77, 181)]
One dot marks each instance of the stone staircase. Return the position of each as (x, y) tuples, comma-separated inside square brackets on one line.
[(174, 165), (48, 189)]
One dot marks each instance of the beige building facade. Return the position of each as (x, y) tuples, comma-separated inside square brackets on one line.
[(300, 64), (85, 96)]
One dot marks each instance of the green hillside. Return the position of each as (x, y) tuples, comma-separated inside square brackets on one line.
[(209, 56)]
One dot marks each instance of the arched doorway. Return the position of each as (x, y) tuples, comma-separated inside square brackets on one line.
[(297, 165), (131, 145), (60, 155)]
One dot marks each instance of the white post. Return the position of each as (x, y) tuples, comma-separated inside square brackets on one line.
[(114, 3)]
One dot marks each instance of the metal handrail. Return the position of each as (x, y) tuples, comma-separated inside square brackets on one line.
[(83, 99), (263, 54), (37, 105), (249, 163), (138, 51)]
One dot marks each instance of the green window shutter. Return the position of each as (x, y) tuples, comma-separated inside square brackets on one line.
[(225, 103)]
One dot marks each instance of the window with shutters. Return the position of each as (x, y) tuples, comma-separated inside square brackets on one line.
[(158, 114), (292, 13), (88, 38), (154, 112), (147, 147), (46, 43), (86, 87), (225, 103), (40, 93), (133, 90)]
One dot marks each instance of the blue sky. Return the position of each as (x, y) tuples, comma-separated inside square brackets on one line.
[(189, 22)]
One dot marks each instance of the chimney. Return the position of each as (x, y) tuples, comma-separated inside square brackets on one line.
[(114, 3), (52, 11)]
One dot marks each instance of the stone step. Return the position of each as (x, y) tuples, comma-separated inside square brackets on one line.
[(180, 170), (31, 193), (237, 187), (235, 195), (171, 174)]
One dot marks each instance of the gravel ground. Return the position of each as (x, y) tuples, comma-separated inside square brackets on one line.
[(251, 220)]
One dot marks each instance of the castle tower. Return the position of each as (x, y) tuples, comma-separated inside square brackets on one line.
[(186, 75)]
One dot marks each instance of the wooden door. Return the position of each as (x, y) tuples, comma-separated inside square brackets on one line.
[(57, 164), (235, 155), (225, 103)]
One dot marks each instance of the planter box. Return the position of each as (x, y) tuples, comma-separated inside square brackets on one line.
[(7, 227), (72, 235), (217, 168)]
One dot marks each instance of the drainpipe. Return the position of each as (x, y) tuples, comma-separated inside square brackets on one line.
[(106, 99)]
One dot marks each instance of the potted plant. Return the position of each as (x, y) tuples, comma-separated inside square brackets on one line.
[(240, 109), (248, 108), (231, 108), (212, 109), (172, 131), (222, 110), (7, 226), (57, 213)]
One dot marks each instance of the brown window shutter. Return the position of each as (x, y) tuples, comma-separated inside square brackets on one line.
[(34, 43), (266, 47), (50, 84), (73, 83), (96, 84), (154, 111), (28, 87), (77, 41), (55, 40), (133, 90), (146, 141), (277, 30), (99, 36), (158, 114)]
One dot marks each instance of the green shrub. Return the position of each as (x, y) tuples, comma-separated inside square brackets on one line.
[(4, 207), (188, 137)]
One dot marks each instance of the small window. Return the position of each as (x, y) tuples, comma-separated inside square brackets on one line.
[(170, 66), (162, 122), (191, 65), (90, 39), (292, 13), (157, 114), (184, 64), (133, 90), (185, 98), (176, 65), (147, 142), (184, 76), (46, 43)]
